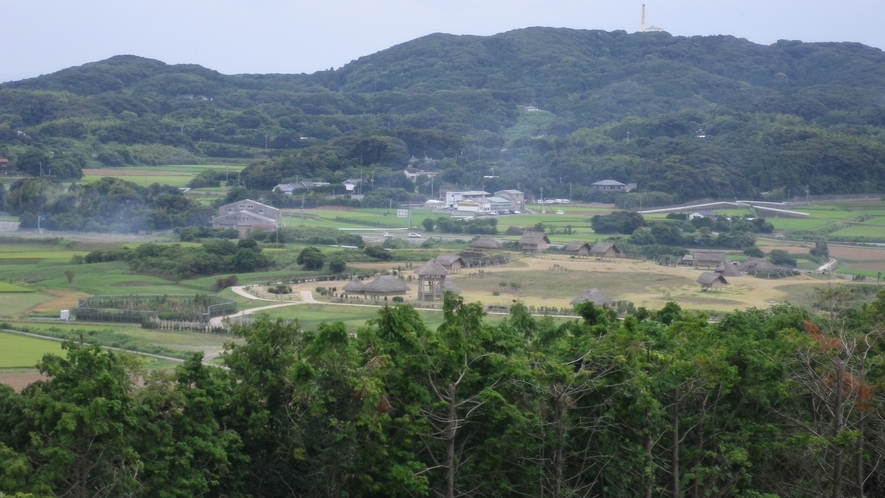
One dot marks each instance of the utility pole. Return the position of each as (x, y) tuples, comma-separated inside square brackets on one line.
[(302, 209)]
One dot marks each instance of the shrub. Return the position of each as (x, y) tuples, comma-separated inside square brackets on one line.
[(222, 283), (378, 253)]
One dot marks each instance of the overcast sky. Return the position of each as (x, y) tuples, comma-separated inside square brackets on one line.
[(298, 36)]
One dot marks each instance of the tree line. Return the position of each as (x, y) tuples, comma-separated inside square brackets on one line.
[(764, 403)]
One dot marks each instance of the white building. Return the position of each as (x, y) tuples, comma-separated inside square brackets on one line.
[(452, 197)]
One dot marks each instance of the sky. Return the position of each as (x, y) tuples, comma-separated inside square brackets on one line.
[(304, 36)]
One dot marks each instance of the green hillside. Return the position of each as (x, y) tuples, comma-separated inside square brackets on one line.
[(693, 117)]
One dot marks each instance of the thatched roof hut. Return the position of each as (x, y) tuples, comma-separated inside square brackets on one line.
[(711, 280), (762, 267), (708, 259), (487, 244), (355, 286), (534, 241), (728, 270), (593, 296), (604, 250), (431, 281), (386, 285), (577, 248), (449, 286), (431, 268), (451, 262)]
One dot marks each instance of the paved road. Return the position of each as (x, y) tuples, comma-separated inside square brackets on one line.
[(828, 266)]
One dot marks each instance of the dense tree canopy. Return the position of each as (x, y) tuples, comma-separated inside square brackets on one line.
[(776, 402)]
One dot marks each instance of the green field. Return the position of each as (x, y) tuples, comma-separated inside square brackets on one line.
[(176, 175), (309, 316), (127, 336), (18, 351), (792, 224), (860, 232), (16, 304), (7, 287), (173, 180)]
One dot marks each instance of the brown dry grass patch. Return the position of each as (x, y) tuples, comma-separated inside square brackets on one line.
[(19, 381), (643, 283), (64, 299)]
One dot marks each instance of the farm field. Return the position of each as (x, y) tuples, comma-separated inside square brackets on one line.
[(19, 303), (20, 351), (173, 175), (866, 230), (794, 224)]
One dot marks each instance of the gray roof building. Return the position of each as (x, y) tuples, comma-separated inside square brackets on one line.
[(594, 296)]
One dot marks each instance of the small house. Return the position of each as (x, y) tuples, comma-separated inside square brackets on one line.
[(534, 241), (703, 213), (612, 185), (605, 250), (351, 183), (711, 280)]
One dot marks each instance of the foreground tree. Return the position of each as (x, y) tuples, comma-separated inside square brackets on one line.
[(82, 424)]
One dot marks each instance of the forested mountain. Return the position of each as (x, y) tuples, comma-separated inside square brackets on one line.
[(698, 117)]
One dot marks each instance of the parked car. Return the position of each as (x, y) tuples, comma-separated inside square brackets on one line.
[(414, 235), (560, 211)]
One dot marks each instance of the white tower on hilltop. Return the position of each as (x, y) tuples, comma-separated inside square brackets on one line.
[(650, 29)]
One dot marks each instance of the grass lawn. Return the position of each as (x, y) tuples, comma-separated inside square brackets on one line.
[(18, 351)]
